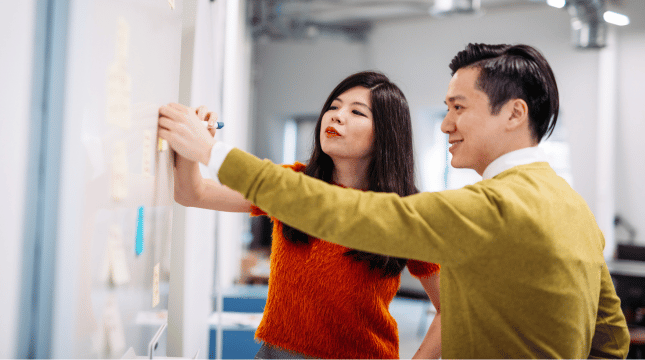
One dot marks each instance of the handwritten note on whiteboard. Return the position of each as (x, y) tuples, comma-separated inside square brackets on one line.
[(119, 83)]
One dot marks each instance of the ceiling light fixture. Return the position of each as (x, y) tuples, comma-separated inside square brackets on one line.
[(588, 29), (452, 7), (615, 18), (556, 3)]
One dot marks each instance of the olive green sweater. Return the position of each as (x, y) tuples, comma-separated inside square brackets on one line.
[(523, 273)]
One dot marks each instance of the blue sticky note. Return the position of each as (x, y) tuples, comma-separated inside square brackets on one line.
[(138, 247)]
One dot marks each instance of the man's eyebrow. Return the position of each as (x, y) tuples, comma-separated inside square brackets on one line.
[(453, 98)]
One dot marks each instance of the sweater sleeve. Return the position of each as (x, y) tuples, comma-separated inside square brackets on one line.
[(611, 338), (433, 227), (298, 167)]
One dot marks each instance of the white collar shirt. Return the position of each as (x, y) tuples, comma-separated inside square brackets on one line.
[(514, 158)]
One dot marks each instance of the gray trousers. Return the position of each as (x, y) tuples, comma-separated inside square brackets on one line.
[(272, 352)]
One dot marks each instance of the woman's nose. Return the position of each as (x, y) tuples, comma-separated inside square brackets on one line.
[(338, 117)]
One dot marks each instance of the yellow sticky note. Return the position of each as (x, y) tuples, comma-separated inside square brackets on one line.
[(162, 145), (155, 285)]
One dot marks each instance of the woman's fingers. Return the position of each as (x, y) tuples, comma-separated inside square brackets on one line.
[(178, 113), (178, 107), (184, 131), (202, 113), (212, 118), (170, 113), (212, 123), (163, 133), (166, 123)]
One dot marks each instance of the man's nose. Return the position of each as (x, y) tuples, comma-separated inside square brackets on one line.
[(448, 124)]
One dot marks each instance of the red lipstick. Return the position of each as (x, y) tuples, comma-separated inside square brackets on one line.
[(331, 132)]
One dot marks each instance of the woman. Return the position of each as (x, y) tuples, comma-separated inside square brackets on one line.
[(325, 300)]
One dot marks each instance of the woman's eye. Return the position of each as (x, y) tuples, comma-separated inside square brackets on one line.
[(358, 113), (333, 107)]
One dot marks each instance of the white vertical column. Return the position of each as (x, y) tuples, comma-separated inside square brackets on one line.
[(606, 140), (216, 73), (193, 240), (235, 113)]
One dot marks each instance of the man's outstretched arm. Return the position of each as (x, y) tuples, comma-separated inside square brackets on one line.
[(381, 223), (427, 226)]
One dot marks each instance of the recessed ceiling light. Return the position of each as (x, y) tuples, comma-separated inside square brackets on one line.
[(556, 3), (615, 18)]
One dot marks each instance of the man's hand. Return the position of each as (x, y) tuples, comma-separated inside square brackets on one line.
[(184, 130)]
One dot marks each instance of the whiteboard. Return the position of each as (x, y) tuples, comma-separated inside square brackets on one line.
[(122, 64)]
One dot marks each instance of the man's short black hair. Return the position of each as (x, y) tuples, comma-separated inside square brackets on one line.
[(514, 72)]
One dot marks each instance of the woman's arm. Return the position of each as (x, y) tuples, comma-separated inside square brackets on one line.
[(194, 191), (431, 345)]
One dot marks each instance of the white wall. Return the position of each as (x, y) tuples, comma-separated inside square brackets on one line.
[(295, 78), (630, 147), (236, 96), (17, 44)]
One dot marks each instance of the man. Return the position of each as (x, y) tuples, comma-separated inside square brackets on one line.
[(523, 273)]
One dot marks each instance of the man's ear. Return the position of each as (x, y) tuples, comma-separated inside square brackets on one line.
[(519, 114)]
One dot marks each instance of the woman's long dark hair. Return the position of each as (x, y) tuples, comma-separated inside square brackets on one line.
[(392, 165)]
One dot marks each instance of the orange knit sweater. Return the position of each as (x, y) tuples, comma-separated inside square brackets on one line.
[(327, 305)]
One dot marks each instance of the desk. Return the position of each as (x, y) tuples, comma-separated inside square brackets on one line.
[(242, 313), (626, 268)]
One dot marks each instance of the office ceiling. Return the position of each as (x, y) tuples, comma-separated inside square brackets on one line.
[(307, 19), (330, 11), (287, 19)]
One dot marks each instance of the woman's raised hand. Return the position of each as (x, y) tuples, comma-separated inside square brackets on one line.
[(183, 128), (210, 117)]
